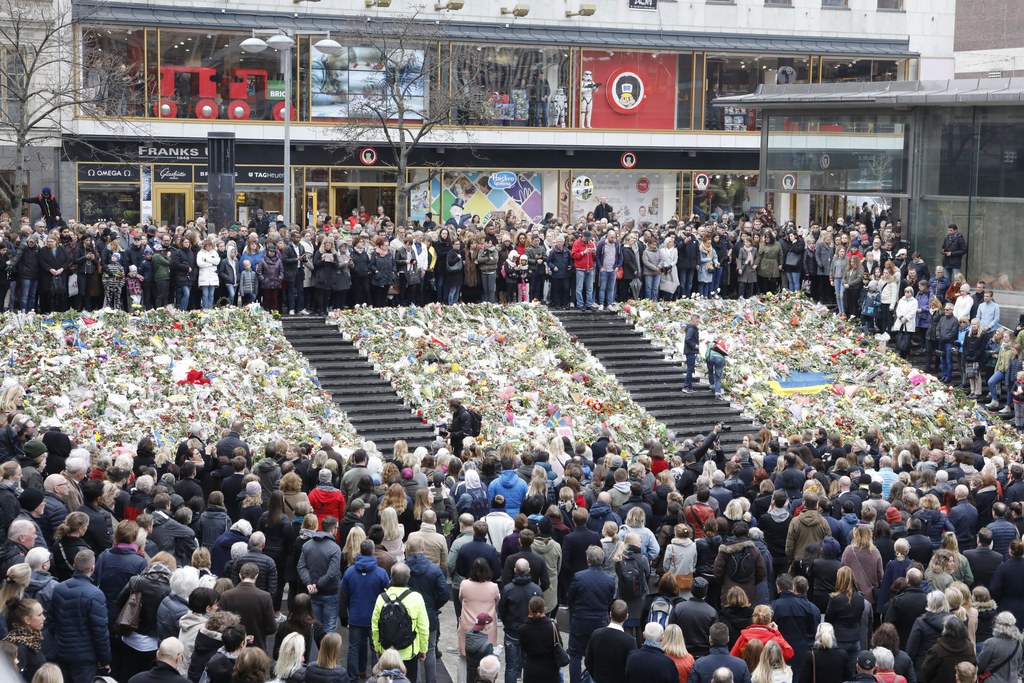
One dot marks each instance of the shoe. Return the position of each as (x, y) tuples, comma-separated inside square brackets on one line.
[(452, 650), (687, 390), (304, 312), (993, 405), (1006, 412), (720, 397), (291, 311)]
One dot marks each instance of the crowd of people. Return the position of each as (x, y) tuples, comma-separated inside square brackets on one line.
[(858, 265), (794, 557)]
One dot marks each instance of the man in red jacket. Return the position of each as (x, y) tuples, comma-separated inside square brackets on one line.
[(583, 257)]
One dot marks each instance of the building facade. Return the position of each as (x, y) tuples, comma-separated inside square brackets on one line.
[(620, 95), (988, 42)]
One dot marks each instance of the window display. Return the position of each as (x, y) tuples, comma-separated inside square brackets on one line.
[(735, 193), (861, 70), (645, 197), (108, 203), (728, 75), (628, 90), (112, 83), (367, 82), (519, 86), (487, 194)]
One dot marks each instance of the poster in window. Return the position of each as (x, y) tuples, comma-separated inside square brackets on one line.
[(362, 81)]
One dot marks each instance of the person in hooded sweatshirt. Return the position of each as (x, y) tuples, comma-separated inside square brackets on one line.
[(202, 603), (602, 512), (509, 485), (551, 551), (360, 586)]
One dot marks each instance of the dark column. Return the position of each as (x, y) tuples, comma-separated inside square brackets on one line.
[(221, 178)]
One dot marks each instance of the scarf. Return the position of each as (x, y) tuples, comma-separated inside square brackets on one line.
[(22, 635)]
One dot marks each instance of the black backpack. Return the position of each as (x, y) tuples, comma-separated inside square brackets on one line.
[(741, 565), (395, 623), (631, 578), (475, 422)]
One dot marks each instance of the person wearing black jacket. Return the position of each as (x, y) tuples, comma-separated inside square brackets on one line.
[(691, 347), (360, 271), (460, 426), (26, 266), (53, 277), (954, 248), (793, 260), (295, 258), (184, 270), (609, 647), (689, 258), (100, 534)]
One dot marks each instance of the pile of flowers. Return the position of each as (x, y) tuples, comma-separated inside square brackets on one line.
[(516, 365), (114, 378), (770, 338)]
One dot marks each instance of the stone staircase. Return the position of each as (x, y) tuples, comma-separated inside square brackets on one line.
[(372, 406), (652, 380)]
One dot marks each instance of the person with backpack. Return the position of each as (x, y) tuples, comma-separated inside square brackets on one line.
[(632, 572), (740, 563), (400, 621), (463, 424), (513, 608)]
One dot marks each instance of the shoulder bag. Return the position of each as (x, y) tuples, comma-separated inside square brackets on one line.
[(128, 618), (561, 656)]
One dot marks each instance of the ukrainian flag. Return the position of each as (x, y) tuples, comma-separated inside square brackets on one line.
[(801, 383)]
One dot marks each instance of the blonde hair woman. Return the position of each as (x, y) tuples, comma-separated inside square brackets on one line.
[(959, 598), (393, 534), (939, 573), (772, 667), (962, 571), (611, 544), (14, 585), (389, 668), (351, 550), (673, 645), (863, 558), (289, 659)]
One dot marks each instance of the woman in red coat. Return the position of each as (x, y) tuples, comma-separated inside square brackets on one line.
[(326, 500), (765, 630)]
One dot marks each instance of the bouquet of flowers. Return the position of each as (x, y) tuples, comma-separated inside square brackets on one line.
[(771, 338), (515, 364), (115, 378)]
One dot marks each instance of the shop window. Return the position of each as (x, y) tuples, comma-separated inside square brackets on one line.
[(778, 3), (113, 61), (684, 92), (861, 70), (735, 193), (635, 197), (516, 86), (632, 90), (740, 75), (891, 5), (366, 81), (112, 203), (208, 76)]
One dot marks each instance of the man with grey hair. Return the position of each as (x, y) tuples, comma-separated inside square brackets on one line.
[(21, 537), (435, 545), (964, 518), (722, 675), (75, 470), (165, 668), (41, 583), (465, 536), (268, 578), (55, 488), (412, 653), (490, 667), (650, 664), (590, 596)]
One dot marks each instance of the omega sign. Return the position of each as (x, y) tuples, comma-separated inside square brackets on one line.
[(107, 173)]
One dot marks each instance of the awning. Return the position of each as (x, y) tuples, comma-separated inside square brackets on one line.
[(960, 92), (519, 32)]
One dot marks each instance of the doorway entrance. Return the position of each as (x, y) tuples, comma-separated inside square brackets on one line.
[(344, 198), (172, 205)]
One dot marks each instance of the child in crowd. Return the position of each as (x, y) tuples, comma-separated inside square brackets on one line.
[(113, 281), (247, 283), (133, 282)]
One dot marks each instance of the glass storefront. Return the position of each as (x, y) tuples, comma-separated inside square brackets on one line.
[(190, 74), (108, 203)]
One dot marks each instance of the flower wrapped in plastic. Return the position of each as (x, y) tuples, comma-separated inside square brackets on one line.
[(115, 378), (514, 364)]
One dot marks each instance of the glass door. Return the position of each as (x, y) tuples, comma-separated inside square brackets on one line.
[(364, 198), (173, 204)]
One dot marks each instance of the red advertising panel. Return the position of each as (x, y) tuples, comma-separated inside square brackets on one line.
[(635, 90)]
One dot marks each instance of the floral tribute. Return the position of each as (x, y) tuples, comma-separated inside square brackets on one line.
[(115, 378), (515, 365), (771, 338)]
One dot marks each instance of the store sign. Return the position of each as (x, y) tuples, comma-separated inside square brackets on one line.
[(252, 175), (275, 90), (628, 160), (172, 174), (789, 182), (107, 173), (158, 151), (702, 181), (368, 156), (643, 185), (643, 4), (625, 92), (502, 180)]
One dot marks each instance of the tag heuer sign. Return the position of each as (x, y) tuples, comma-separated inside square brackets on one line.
[(643, 4)]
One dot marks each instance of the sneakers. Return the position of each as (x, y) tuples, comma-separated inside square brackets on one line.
[(305, 312), (993, 405), (1007, 411), (291, 311), (687, 390)]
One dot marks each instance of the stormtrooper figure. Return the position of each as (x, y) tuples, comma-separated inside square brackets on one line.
[(559, 108), (587, 88)]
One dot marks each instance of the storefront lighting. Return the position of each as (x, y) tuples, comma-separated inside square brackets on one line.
[(520, 10), (328, 46), (378, 3), (586, 10), (451, 5), (254, 45)]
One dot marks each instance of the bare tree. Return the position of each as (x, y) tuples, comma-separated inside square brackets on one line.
[(39, 73), (422, 97)]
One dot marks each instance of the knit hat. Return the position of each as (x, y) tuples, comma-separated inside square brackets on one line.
[(34, 448), (892, 516), (699, 589), (252, 488), (544, 527), (484, 619), (30, 499), (147, 250), (407, 473), (325, 475)]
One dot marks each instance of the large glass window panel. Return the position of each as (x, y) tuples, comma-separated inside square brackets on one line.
[(861, 70), (12, 82), (113, 62), (740, 75), (108, 203), (628, 90), (684, 91), (735, 193), (208, 76), (635, 197), (518, 86)]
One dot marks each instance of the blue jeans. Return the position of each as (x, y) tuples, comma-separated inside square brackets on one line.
[(715, 366), (513, 659), (993, 384), (704, 289), (793, 280), (27, 294), (579, 636), (454, 291), (946, 362), (691, 363), (840, 290), (716, 280), (233, 294), (325, 609), (359, 644), (184, 291), (852, 648), (651, 284), (686, 279), (428, 670), (439, 286), (489, 281), (208, 296), (584, 288), (607, 295)]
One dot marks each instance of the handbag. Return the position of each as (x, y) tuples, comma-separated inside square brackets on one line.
[(128, 618), (792, 259), (618, 273), (73, 285), (987, 674), (561, 656), (412, 277), (684, 582)]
